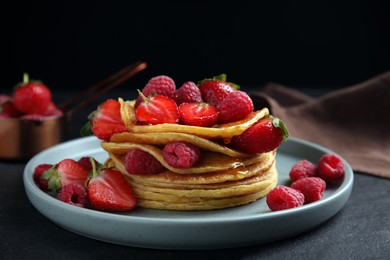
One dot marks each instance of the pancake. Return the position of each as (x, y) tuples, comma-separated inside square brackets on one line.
[(222, 178)]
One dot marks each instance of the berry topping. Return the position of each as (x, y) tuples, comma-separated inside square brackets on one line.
[(188, 93), (160, 85), (198, 114), (108, 190), (312, 188), (8, 108), (139, 162), (181, 155), (86, 162), (264, 136), (236, 106), (105, 121), (302, 169), (214, 91), (31, 97), (157, 110), (65, 172), (283, 197), (330, 168), (74, 194), (38, 171)]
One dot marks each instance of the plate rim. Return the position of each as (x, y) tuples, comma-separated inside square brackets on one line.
[(33, 190)]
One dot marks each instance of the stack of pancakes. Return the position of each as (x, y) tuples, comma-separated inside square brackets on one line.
[(222, 178)]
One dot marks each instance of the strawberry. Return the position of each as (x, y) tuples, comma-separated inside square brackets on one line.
[(9, 109), (65, 172), (31, 97), (108, 190), (264, 136), (105, 121), (157, 110), (214, 91), (38, 171), (198, 114)]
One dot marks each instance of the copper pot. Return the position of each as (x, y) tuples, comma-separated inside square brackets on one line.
[(20, 139)]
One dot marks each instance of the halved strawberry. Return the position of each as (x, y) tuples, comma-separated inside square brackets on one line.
[(157, 110), (65, 172), (198, 114), (264, 136), (105, 121), (38, 172), (108, 190)]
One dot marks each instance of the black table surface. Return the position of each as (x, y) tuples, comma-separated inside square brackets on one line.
[(361, 230)]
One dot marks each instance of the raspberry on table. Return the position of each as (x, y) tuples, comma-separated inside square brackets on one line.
[(139, 162), (302, 169), (235, 106), (74, 194), (312, 187), (330, 168), (283, 197), (188, 93), (181, 154)]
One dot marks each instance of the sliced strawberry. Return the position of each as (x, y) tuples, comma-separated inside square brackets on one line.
[(198, 114), (105, 121), (264, 136), (65, 172), (108, 190), (157, 110)]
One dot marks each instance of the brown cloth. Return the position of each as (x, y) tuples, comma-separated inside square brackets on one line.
[(353, 122)]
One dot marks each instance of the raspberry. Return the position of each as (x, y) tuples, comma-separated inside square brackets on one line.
[(330, 168), (283, 197), (188, 93), (302, 169), (159, 85), (74, 194), (181, 155), (139, 162), (312, 187), (38, 171), (235, 106)]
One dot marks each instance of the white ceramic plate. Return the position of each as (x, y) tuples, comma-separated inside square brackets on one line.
[(235, 227)]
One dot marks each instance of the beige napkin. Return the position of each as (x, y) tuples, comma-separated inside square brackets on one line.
[(354, 121)]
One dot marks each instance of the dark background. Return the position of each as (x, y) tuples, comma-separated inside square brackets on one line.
[(73, 44)]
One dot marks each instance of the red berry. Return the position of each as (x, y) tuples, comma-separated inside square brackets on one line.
[(181, 155), (31, 97), (264, 136), (157, 110), (74, 194), (188, 93), (108, 190), (198, 114), (160, 85), (65, 172), (235, 106), (107, 120), (38, 171), (302, 169), (330, 168), (53, 110), (139, 162), (86, 162), (312, 187), (214, 91), (8, 107), (283, 197)]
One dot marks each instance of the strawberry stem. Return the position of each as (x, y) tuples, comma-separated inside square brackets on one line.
[(26, 78), (143, 96), (279, 123)]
